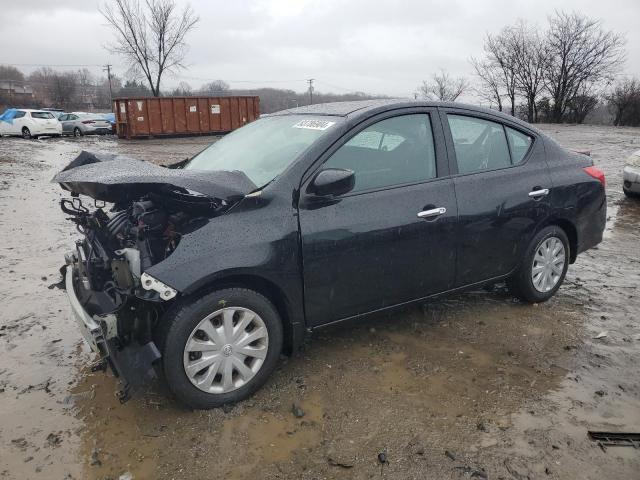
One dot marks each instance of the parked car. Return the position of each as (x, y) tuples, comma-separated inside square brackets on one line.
[(111, 118), (80, 123), (56, 112), (29, 123), (631, 175), (310, 217)]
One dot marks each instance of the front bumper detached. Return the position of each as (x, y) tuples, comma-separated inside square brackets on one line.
[(132, 364)]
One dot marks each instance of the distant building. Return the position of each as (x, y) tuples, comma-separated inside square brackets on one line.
[(14, 92)]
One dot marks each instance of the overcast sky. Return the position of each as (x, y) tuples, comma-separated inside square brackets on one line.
[(382, 46)]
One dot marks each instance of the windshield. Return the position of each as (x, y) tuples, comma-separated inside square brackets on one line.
[(263, 149)]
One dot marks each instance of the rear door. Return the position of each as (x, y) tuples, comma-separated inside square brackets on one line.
[(502, 184), (392, 238), (65, 120)]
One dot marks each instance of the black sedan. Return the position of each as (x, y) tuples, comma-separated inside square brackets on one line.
[(208, 270)]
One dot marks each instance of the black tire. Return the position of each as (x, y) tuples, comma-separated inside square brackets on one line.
[(630, 194), (179, 323), (26, 133), (521, 283), (77, 132)]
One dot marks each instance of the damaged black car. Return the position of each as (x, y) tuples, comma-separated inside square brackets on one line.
[(207, 270)]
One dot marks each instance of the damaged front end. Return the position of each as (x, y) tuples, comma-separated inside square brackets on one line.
[(137, 218)]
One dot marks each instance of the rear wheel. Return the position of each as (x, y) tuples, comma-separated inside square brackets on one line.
[(26, 133), (630, 194), (543, 268), (221, 347), (77, 132)]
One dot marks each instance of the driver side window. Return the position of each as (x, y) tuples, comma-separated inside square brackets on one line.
[(479, 144), (393, 151)]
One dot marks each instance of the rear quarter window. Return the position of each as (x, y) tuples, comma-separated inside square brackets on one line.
[(519, 143)]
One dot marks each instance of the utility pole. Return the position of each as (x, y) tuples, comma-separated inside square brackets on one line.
[(108, 70), (311, 90)]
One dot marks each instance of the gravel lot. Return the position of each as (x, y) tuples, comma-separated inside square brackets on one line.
[(473, 386)]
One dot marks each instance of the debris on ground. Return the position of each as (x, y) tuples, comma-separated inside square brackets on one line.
[(54, 440), (615, 439), (297, 411)]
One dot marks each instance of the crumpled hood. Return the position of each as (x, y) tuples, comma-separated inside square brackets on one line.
[(115, 178)]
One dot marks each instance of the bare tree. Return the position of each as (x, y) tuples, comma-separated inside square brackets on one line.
[(581, 104), (215, 87), (86, 87), (625, 102), (580, 52), (490, 84), (63, 89), (528, 57), (150, 37), (182, 90), (500, 56), (10, 73), (443, 87)]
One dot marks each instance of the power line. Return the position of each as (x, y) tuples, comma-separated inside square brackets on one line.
[(335, 86), (50, 64)]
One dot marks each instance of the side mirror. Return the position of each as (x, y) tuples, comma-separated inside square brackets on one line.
[(333, 181)]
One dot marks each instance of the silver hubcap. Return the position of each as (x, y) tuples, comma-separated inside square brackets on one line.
[(548, 264), (226, 350)]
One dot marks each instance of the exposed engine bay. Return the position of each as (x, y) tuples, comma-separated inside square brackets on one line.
[(122, 242), (118, 304)]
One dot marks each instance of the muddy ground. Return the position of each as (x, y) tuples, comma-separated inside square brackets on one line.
[(474, 386)]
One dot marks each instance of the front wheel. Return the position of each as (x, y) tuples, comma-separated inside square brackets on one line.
[(543, 268), (221, 347)]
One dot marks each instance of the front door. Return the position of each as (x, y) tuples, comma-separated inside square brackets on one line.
[(501, 185), (391, 239)]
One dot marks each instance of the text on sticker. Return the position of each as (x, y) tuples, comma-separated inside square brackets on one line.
[(314, 124)]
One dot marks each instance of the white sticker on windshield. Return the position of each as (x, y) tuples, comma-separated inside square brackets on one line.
[(314, 124)]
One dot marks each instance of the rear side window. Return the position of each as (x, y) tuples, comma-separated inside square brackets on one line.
[(519, 143), (19, 114), (42, 115), (390, 152), (479, 144)]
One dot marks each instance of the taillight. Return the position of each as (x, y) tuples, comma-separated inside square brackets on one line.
[(88, 121), (596, 173)]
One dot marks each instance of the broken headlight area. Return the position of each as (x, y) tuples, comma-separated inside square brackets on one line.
[(119, 305)]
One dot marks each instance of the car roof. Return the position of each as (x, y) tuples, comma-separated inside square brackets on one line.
[(32, 110), (359, 108)]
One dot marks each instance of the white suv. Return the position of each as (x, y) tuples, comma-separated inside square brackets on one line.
[(29, 123)]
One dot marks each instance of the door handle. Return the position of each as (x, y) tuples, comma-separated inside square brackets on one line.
[(543, 192), (434, 212)]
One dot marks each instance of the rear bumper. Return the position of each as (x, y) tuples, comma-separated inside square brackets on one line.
[(131, 363), (631, 179), (592, 223), (88, 130)]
